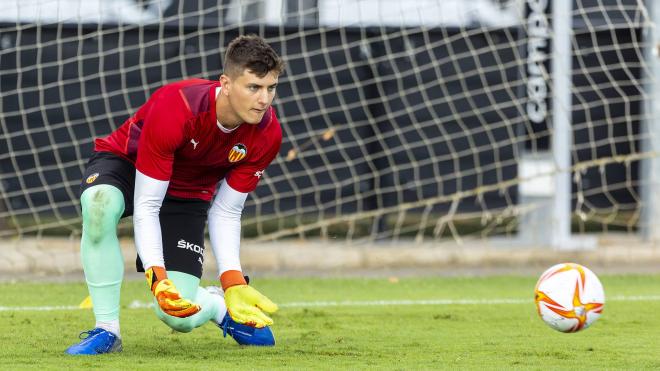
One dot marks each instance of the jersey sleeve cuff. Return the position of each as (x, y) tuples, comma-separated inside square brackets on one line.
[(240, 187)]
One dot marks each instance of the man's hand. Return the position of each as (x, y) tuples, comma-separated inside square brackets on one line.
[(168, 297), (246, 305)]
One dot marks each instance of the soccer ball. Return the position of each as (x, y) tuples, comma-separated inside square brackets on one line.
[(569, 297)]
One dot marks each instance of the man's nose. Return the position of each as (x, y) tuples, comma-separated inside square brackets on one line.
[(263, 97)]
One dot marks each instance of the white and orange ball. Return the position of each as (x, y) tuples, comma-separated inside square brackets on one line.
[(569, 297)]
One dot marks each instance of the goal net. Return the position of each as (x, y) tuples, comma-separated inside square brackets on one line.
[(401, 120)]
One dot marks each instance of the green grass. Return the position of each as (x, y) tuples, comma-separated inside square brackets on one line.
[(406, 337)]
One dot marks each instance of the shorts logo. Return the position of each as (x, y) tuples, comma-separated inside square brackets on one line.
[(90, 179), (183, 244), (237, 153)]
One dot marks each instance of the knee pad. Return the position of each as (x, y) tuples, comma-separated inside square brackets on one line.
[(102, 207)]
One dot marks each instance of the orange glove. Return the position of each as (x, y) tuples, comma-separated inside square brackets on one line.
[(168, 297)]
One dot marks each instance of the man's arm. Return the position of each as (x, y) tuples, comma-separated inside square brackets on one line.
[(244, 303), (225, 228), (148, 198), (161, 133), (155, 141)]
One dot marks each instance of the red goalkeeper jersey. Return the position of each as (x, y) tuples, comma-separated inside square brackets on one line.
[(175, 136)]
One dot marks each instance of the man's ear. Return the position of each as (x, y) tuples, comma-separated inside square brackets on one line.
[(225, 82)]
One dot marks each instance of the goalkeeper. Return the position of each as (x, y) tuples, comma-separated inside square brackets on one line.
[(191, 153)]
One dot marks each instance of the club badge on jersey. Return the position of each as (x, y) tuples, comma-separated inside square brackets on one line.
[(237, 153)]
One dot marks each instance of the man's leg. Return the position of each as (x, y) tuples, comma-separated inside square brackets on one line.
[(182, 224), (102, 207), (213, 306), (214, 310)]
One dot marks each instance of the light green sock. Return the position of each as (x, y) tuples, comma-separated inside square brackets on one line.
[(102, 207), (188, 286)]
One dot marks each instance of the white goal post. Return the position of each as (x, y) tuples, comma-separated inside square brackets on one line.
[(417, 121)]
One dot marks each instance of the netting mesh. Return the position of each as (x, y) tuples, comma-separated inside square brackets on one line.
[(397, 123)]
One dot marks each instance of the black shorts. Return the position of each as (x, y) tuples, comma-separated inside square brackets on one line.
[(108, 168), (182, 221)]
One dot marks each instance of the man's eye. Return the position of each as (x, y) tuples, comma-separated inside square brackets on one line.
[(253, 88)]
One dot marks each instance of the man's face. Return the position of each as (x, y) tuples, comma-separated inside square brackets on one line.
[(250, 95)]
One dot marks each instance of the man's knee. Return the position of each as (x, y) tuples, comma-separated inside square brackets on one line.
[(176, 323), (102, 207)]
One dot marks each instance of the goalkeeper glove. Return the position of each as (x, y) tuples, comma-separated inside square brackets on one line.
[(168, 297), (244, 303)]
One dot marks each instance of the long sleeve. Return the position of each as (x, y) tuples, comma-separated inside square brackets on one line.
[(225, 227), (148, 198)]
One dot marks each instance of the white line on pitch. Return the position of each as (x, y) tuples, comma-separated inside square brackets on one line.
[(366, 303), (352, 303), (44, 308)]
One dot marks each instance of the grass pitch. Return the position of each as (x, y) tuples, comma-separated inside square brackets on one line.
[(406, 324)]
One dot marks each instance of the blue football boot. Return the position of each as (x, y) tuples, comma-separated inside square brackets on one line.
[(246, 335), (243, 334), (96, 341)]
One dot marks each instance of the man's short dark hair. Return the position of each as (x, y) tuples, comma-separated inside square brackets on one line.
[(252, 53)]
